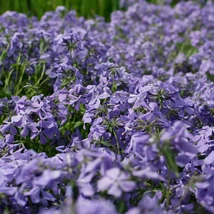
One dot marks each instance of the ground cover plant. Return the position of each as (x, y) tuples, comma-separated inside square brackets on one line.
[(111, 117)]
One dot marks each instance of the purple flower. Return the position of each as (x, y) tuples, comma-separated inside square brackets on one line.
[(47, 177), (115, 182), (98, 206), (210, 158), (138, 140)]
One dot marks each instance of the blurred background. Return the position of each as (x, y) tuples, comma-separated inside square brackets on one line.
[(86, 8)]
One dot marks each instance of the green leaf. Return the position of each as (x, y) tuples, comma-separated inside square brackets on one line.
[(169, 155), (3, 55), (78, 124), (105, 143), (114, 87), (210, 76), (186, 48), (121, 206)]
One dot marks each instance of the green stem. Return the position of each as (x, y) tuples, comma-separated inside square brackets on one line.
[(20, 80), (44, 81), (8, 80), (43, 72), (117, 142), (168, 192), (17, 67)]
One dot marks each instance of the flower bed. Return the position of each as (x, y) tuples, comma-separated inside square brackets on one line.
[(106, 118)]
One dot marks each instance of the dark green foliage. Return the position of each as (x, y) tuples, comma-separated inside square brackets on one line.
[(210, 76), (186, 48), (86, 8)]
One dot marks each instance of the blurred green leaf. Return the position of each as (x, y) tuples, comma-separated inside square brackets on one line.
[(78, 124), (210, 76), (186, 48), (169, 155)]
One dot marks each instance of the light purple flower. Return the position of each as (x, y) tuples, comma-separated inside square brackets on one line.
[(115, 182)]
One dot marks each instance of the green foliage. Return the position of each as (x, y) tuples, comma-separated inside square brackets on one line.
[(121, 206), (16, 82), (35, 145), (186, 48), (86, 8), (210, 76), (169, 155)]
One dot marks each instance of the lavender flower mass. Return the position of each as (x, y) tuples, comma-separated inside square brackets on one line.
[(111, 117)]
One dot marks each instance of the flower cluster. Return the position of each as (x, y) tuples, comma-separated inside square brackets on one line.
[(108, 118)]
